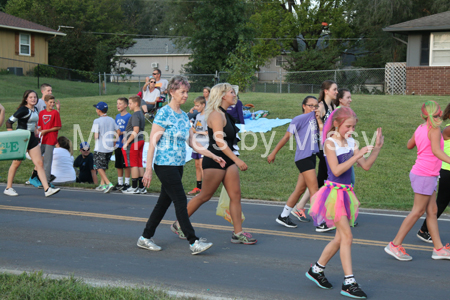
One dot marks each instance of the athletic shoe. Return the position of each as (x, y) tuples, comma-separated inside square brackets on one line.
[(194, 191), (126, 187), (131, 190), (35, 182), (353, 291), (118, 187), (319, 279), (424, 236), (300, 215), (286, 221), (243, 238), (10, 192), (143, 190), (177, 230), (101, 187), (324, 228), (51, 191), (108, 188), (52, 177), (199, 246), (148, 244), (355, 224), (397, 252), (444, 253), (28, 181)]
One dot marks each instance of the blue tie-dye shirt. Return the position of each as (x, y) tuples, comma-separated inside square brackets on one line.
[(171, 148)]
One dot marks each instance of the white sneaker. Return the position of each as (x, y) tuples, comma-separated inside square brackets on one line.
[(143, 190), (10, 192), (101, 187), (148, 244), (51, 191), (131, 190), (199, 246)]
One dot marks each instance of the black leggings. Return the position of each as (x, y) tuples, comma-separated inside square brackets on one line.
[(171, 191), (322, 173), (443, 196)]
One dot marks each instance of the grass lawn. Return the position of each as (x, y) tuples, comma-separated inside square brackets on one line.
[(386, 185), (37, 286)]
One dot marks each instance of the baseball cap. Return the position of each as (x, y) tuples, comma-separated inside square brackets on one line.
[(101, 105), (85, 145)]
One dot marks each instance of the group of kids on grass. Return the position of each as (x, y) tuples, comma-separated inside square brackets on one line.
[(324, 130)]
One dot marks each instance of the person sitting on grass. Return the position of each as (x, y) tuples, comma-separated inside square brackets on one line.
[(62, 166), (85, 162)]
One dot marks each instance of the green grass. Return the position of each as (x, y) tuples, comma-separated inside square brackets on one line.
[(38, 286), (386, 185)]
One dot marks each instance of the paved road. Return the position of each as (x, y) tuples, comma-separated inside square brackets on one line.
[(93, 235)]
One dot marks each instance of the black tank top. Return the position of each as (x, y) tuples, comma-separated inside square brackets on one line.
[(229, 134), (328, 111)]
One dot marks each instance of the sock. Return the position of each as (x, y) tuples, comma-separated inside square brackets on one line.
[(127, 180), (199, 184), (317, 268), (141, 185), (34, 174), (394, 245), (286, 211), (134, 183), (349, 279), (238, 233), (120, 180)]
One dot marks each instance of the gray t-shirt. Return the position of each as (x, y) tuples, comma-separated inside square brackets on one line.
[(40, 105), (106, 128), (137, 119), (162, 84), (201, 125)]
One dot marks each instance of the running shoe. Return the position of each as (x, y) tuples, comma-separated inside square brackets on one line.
[(126, 187), (286, 221), (142, 190), (108, 188), (10, 192), (177, 230), (51, 191), (300, 215), (424, 236), (199, 246), (101, 187), (118, 187), (443, 253), (131, 190), (194, 191), (353, 291), (35, 182), (28, 182), (52, 177), (324, 228), (397, 252), (243, 238), (148, 244), (319, 279)]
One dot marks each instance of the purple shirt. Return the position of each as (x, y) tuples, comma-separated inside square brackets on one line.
[(236, 112), (343, 154), (304, 128)]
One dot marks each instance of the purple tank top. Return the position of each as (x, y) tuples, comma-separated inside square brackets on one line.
[(343, 154)]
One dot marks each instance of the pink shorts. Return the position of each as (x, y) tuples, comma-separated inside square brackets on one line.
[(424, 185)]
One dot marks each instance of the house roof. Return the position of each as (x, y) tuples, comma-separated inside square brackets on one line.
[(436, 22), (15, 23), (155, 46)]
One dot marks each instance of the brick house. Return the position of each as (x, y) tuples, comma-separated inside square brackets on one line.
[(428, 53), (23, 40)]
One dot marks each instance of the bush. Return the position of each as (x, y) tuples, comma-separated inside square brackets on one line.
[(44, 71)]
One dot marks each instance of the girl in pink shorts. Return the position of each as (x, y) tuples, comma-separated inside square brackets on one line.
[(424, 177)]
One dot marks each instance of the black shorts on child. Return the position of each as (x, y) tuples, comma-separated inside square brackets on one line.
[(306, 164), (120, 162)]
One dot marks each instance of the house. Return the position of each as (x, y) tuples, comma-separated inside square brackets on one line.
[(25, 41), (428, 53)]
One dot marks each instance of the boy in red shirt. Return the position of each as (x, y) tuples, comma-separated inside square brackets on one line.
[(48, 125)]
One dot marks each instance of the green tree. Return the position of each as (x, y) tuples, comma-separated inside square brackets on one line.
[(242, 64)]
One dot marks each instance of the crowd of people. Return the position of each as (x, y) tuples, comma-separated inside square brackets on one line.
[(323, 130)]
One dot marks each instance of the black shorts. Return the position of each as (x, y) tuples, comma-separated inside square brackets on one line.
[(209, 163), (306, 164), (101, 160), (120, 162), (34, 141)]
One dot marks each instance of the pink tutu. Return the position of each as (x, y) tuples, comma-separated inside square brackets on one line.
[(331, 202)]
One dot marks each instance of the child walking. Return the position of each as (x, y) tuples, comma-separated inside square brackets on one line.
[(335, 203), (305, 127), (424, 178), (121, 120), (200, 129)]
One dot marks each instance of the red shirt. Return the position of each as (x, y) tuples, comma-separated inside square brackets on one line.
[(48, 120)]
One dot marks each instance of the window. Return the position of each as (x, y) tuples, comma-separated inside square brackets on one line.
[(440, 49), (425, 50), (25, 44), (279, 61)]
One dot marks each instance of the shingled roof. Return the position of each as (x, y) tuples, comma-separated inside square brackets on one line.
[(436, 22), (15, 23)]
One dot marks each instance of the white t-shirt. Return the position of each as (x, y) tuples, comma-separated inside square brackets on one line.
[(40, 105), (106, 128), (151, 96), (62, 166), (162, 84)]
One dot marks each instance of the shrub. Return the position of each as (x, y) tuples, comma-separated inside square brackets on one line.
[(44, 71)]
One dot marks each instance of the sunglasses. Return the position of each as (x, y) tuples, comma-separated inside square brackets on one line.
[(155, 73), (152, 81), (85, 149)]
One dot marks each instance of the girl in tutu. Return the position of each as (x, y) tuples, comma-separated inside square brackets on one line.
[(335, 203)]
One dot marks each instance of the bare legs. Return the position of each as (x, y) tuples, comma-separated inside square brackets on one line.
[(305, 179)]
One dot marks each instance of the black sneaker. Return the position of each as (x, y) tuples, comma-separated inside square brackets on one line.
[(125, 187), (319, 279), (286, 221), (353, 291), (324, 228), (424, 236), (118, 187), (52, 177)]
